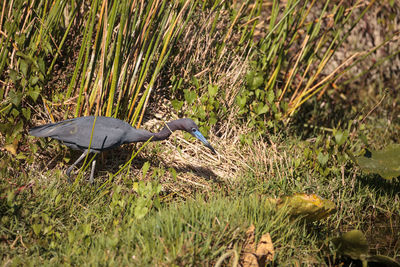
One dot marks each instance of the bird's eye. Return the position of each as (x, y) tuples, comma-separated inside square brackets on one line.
[(193, 129)]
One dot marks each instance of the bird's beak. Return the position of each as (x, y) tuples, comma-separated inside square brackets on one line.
[(199, 136)]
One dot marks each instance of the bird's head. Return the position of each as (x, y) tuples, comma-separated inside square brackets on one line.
[(191, 127)]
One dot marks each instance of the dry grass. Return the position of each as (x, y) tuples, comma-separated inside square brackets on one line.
[(199, 57)]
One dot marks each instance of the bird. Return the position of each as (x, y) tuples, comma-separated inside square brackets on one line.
[(108, 133)]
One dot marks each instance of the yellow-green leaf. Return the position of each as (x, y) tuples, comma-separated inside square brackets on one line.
[(309, 206)]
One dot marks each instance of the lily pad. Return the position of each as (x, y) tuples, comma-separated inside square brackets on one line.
[(352, 244), (384, 162), (309, 206)]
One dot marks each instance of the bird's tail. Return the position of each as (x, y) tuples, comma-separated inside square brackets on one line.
[(43, 130)]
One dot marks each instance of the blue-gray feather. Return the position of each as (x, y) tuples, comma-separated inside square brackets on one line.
[(108, 133), (75, 133)]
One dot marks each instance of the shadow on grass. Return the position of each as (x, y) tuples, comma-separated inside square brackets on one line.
[(382, 226), (112, 160), (380, 185)]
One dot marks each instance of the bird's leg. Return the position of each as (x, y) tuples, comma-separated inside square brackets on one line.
[(91, 180), (74, 164)]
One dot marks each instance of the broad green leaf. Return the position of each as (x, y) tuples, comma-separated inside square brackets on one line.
[(15, 98), (254, 79), (176, 104), (258, 80), (322, 158), (33, 80), (241, 101), (41, 65), (212, 90), (24, 67), (270, 96), (341, 136), (212, 120), (141, 211), (309, 206), (196, 82), (24, 82), (352, 244), (48, 230), (27, 113), (34, 92), (36, 228), (384, 162), (13, 75), (14, 112), (190, 96), (201, 112), (261, 109)]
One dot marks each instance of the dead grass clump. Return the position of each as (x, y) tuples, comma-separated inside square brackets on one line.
[(211, 54), (197, 169)]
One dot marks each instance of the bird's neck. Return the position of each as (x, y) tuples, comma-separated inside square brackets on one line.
[(164, 133), (140, 135)]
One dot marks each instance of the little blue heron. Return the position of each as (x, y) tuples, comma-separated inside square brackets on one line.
[(108, 133)]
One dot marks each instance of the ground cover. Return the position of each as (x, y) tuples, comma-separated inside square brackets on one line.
[(285, 92)]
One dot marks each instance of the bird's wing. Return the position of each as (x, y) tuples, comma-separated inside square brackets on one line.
[(78, 132)]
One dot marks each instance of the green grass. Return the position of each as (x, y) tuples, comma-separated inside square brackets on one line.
[(280, 112), (84, 226)]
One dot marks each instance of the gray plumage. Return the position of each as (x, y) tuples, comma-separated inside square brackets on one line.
[(108, 133)]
